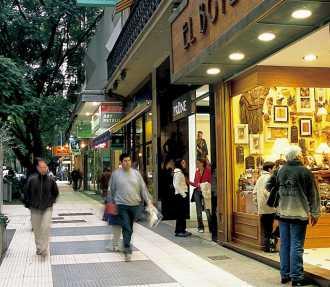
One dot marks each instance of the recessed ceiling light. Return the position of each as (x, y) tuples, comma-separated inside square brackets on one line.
[(236, 56), (301, 14), (266, 37), (310, 57), (88, 114), (213, 71), (95, 103)]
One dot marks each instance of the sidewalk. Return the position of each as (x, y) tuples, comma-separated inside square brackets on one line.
[(78, 256)]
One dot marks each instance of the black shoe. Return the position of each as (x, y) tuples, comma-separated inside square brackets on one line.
[(183, 234), (285, 280), (303, 282)]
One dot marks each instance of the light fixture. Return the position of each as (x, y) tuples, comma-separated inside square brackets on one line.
[(301, 14), (82, 145), (88, 114), (266, 37), (322, 111), (324, 150), (310, 57), (150, 114), (95, 104), (213, 71), (236, 56)]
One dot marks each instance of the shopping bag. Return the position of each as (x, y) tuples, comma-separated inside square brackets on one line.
[(111, 208), (154, 216)]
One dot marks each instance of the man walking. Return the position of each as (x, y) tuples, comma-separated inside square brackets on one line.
[(128, 191), (299, 203), (76, 179), (40, 194)]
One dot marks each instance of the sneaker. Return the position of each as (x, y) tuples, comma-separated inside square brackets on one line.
[(285, 280), (201, 230), (303, 282), (128, 257)]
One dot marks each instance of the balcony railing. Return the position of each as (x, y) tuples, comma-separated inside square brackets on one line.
[(139, 17)]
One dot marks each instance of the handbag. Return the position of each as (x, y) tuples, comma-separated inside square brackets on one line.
[(111, 208), (193, 195), (274, 196)]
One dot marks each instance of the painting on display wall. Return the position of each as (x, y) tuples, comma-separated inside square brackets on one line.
[(306, 129), (306, 100), (281, 114), (256, 144), (241, 134)]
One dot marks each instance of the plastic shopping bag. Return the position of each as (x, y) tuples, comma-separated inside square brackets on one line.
[(154, 216)]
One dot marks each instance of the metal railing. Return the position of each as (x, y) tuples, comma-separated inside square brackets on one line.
[(139, 17)]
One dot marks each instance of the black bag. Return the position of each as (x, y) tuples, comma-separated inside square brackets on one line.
[(193, 195), (274, 197)]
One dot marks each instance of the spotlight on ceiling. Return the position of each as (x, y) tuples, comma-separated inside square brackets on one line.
[(266, 37), (236, 56), (213, 71), (301, 14)]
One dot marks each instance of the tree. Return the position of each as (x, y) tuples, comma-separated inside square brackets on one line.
[(42, 44)]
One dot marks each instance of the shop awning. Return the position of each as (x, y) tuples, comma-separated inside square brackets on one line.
[(136, 112)]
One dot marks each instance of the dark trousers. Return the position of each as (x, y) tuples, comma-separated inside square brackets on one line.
[(127, 215), (267, 222), (75, 185), (180, 226), (199, 209)]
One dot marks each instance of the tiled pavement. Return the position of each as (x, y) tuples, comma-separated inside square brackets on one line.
[(78, 256)]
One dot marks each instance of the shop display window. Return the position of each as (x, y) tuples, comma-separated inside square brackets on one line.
[(265, 121)]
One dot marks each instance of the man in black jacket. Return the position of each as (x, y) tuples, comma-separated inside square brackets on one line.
[(40, 194)]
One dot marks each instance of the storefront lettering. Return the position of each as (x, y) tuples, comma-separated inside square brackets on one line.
[(208, 12), (180, 107)]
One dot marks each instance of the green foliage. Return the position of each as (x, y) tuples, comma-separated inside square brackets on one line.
[(42, 44)]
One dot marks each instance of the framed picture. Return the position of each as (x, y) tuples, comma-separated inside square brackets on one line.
[(306, 100), (275, 132), (281, 114), (256, 144), (241, 134), (306, 127)]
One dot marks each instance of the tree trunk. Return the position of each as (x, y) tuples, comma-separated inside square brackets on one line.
[(1, 176)]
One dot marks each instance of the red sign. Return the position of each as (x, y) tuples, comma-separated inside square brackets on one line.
[(112, 108)]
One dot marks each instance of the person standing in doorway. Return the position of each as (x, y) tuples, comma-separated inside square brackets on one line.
[(76, 179), (267, 214), (201, 147), (299, 203), (202, 175), (181, 198), (104, 182), (127, 190), (40, 194)]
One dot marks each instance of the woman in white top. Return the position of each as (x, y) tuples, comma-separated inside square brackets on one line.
[(181, 198)]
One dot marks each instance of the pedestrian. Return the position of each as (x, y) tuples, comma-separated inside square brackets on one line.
[(104, 182), (201, 146), (128, 191), (202, 175), (267, 214), (166, 190), (40, 194), (299, 203), (76, 179), (181, 198)]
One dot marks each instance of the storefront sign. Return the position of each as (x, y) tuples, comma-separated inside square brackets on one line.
[(97, 3), (110, 114), (84, 130), (181, 107), (61, 151), (201, 23), (103, 138)]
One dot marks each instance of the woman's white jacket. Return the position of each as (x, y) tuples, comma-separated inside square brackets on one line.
[(179, 183)]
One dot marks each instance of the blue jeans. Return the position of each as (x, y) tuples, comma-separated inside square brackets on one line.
[(127, 216), (292, 249)]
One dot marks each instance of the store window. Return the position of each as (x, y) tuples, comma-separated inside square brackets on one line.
[(265, 121)]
